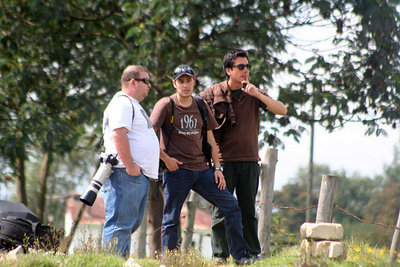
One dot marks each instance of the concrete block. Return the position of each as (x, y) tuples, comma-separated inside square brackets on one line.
[(305, 247), (320, 248), (322, 231), (325, 249), (338, 250)]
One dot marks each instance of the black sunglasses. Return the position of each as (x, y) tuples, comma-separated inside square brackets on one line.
[(145, 80), (242, 66)]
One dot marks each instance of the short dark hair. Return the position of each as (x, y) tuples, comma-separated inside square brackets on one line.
[(229, 59), (132, 72)]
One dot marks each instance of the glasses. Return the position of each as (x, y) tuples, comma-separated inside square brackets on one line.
[(145, 80), (242, 66)]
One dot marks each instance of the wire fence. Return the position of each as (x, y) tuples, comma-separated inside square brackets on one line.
[(281, 207), (364, 221), (342, 210)]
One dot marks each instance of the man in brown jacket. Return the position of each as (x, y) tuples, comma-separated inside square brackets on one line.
[(236, 105)]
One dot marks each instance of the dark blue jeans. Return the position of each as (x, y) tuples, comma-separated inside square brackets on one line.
[(177, 187)]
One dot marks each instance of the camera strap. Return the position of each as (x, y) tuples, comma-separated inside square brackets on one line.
[(201, 105)]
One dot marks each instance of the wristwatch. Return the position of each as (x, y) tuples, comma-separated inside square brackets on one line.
[(219, 169)]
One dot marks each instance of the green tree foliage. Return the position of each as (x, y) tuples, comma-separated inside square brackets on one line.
[(55, 67), (384, 204), (356, 81), (164, 34), (360, 80), (60, 63)]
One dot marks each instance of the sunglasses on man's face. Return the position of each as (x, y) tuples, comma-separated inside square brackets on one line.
[(145, 80), (242, 66)]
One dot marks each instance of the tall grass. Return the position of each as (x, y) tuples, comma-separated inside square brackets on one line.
[(360, 253)]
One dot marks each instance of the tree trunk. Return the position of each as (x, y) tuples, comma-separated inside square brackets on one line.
[(155, 214), (20, 183), (41, 194), (191, 204)]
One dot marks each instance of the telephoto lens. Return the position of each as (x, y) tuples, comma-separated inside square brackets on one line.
[(103, 172)]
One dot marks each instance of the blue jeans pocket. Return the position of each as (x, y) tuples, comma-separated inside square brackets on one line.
[(107, 185)]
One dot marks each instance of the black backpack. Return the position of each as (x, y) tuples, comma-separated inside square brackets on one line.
[(15, 231)]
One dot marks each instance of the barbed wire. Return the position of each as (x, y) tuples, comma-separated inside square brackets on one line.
[(292, 208), (155, 231), (283, 233), (364, 221), (342, 210), (277, 229)]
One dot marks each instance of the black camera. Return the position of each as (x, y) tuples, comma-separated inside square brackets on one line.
[(103, 172)]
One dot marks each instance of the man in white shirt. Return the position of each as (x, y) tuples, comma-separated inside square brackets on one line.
[(129, 134)]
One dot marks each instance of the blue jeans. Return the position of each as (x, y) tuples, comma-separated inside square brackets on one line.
[(125, 200), (177, 187)]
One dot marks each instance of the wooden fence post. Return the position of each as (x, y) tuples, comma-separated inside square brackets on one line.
[(267, 192), (395, 246), (141, 236), (326, 199), (64, 245), (191, 207), (154, 217)]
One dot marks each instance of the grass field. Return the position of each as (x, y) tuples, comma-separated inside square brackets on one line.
[(359, 254)]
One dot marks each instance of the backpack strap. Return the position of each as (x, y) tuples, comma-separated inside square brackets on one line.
[(102, 148), (171, 122), (206, 146), (203, 111), (170, 128)]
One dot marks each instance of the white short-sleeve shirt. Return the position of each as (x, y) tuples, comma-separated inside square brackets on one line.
[(143, 141)]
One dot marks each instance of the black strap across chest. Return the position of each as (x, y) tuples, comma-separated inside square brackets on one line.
[(201, 105), (102, 148), (133, 109)]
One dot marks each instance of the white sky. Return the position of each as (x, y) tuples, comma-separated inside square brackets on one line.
[(345, 149)]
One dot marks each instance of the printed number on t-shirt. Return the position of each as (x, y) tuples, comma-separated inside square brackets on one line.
[(188, 122)]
